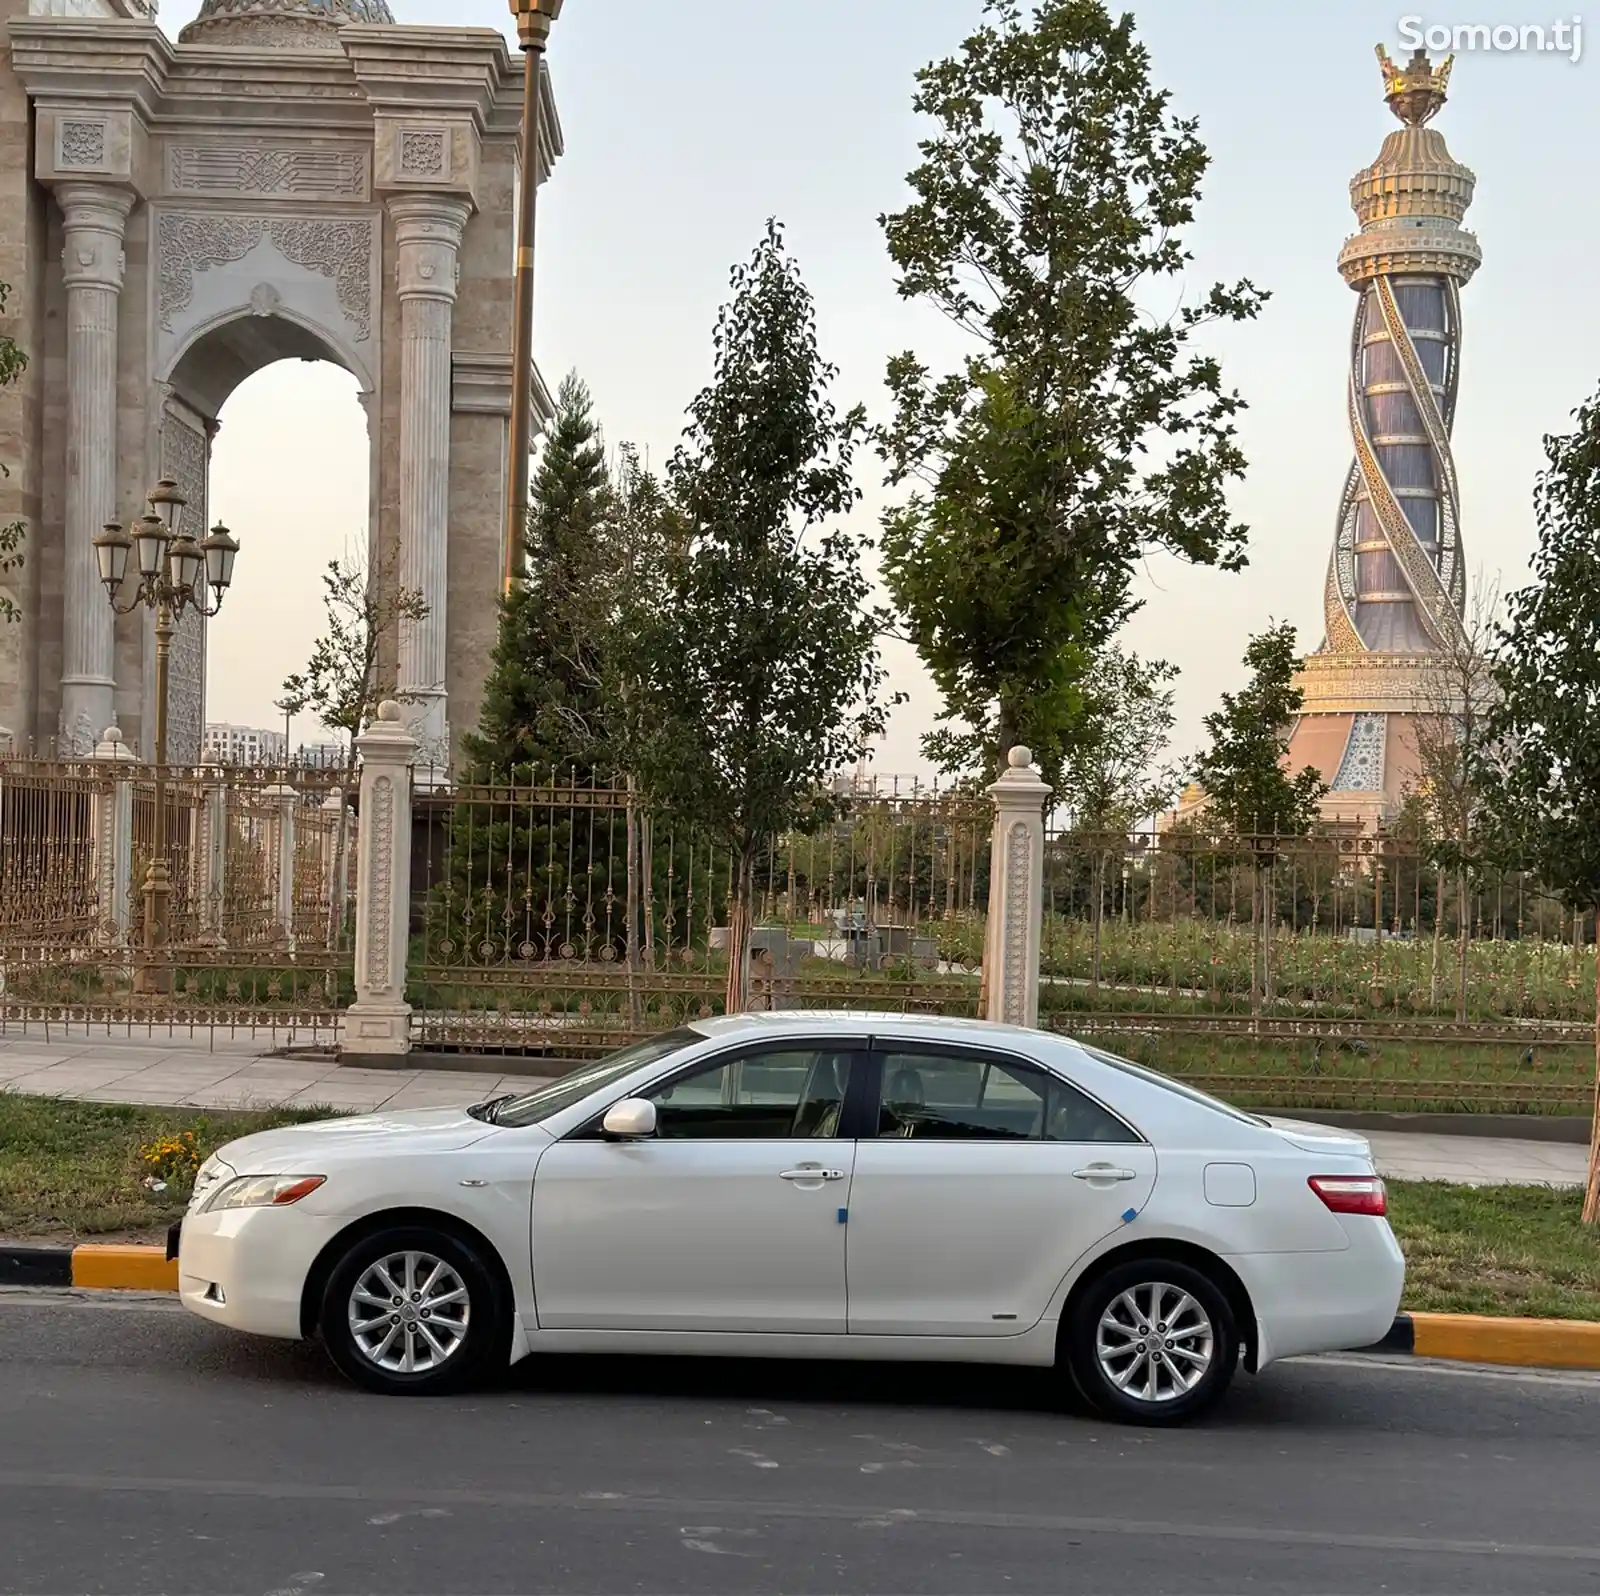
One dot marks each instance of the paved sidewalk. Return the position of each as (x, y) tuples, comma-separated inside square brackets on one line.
[(242, 1074)]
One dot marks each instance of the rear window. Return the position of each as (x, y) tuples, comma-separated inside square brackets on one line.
[(1166, 1082)]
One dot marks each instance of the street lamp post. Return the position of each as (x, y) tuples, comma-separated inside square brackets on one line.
[(534, 21), (174, 574)]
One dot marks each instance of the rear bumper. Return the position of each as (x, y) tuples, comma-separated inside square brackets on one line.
[(1325, 1301), (246, 1268)]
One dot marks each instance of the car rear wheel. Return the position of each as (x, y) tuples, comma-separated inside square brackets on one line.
[(413, 1312), (1152, 1342)]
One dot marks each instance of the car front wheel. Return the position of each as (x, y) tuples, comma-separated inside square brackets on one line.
[(413, 1312), (1152, 1342)]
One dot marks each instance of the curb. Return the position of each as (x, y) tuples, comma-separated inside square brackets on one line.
[(1511, 1343), (90, 1268)]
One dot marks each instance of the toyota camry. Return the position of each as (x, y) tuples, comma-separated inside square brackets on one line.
[(812, 1186)]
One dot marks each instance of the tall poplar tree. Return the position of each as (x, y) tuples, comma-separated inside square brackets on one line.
[(1082, 433)]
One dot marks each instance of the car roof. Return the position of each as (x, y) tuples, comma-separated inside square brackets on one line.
[(855, 1022)]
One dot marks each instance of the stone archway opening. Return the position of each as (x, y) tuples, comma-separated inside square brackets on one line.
[(263, 427)]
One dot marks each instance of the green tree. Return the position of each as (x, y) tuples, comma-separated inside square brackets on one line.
[(340, 683), (1112, 778), (757, 671), (1082, 433), (13, 534), (544, 703), (1540, 771), (1249, 789)]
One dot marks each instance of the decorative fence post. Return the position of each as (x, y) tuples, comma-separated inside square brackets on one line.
[(211, 855), (285, 799), (113, 843), (379, 1021), (1017, 864)]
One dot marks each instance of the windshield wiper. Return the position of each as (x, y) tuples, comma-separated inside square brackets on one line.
[(489, 1112)]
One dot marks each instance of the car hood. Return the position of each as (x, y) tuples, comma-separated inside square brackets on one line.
[(298, 1149), (1322, 1138)]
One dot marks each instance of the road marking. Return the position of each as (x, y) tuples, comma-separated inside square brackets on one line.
[(692, 1512), (1369, 1363)]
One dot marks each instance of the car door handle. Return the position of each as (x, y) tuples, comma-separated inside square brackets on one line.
[(1106, 1173), (812, 1174)]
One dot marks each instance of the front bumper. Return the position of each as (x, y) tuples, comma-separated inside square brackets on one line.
[(246, 1268)]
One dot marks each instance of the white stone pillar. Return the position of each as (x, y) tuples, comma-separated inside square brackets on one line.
[(428, 232), (1017, 868), (95, 218), (378, 1024), (113, 842)]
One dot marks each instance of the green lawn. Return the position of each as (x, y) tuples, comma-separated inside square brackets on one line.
[(1496, 1250), (70, 1172)]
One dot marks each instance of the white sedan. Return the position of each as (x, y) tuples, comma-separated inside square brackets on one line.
[(815, 1186)]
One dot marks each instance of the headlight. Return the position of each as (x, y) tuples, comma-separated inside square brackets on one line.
[(262, 1191)]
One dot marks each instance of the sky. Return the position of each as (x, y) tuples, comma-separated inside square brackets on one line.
[(688, 125)]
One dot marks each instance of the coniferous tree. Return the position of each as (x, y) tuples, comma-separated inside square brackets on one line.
[(543, 706)]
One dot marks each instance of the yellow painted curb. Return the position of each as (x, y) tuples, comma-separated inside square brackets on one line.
[(1529, 1343), (111, 1268)]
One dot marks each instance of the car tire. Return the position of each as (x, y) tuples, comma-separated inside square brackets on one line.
[(442, 1328), (1135, 1369)]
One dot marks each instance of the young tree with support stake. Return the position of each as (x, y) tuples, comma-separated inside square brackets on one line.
[(1247, 784), (757, 668), (1540, 758)]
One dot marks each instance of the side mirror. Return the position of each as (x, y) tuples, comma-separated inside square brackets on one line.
[(632, 1121)]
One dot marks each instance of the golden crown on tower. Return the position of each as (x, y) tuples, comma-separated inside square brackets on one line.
[(1417, 91)]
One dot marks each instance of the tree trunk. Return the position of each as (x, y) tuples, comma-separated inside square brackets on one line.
[(647, 869), (1464, 937), (1591, 1198), (635, 1008), (737, 996), (1269, 899), (1255, 925), (1097, 918), (1438, 940)]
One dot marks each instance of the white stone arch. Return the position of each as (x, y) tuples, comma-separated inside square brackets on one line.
[(215, 358)]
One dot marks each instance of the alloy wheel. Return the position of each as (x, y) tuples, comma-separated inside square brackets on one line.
[(409, 1313), (1155, 1342)]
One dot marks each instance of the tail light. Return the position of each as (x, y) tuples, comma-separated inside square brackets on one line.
[(1352, 1194)]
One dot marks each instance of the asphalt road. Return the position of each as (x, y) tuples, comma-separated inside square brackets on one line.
[(143, 1452)]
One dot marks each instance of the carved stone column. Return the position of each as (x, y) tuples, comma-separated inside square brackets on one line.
[(96, 216), (378, 1023), (1017, 863), (428, 231)]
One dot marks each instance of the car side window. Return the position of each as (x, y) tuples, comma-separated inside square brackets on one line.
[(776, 1096), (933, 1096)]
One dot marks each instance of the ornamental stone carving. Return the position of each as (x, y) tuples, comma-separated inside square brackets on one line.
[(1020, 911), (268, 171), (191, 242), (83, 144), (423, 152)]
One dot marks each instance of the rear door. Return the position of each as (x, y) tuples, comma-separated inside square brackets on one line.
[(986, 1180)]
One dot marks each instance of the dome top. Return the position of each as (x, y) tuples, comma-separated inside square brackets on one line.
[(286, 24)]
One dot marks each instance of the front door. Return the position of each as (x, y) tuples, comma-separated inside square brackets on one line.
[(731, 1219), (987, 1180)]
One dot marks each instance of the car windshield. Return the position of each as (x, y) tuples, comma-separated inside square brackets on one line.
[(1155, 1078), (536, 1107)]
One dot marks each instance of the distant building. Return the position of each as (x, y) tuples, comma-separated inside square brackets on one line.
[(320, 756), (244, 745)]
